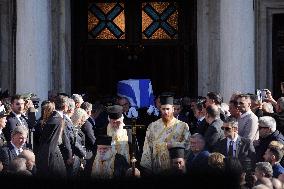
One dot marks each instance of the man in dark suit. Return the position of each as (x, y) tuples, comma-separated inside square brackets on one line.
[(267, 133), (77, 150), (15, 118), (214, 133), (234, 145), (197, 157), (13, 147), (87, 129), (213, 98), (199, 113), (49, 159), (178, 111), (3, 122)]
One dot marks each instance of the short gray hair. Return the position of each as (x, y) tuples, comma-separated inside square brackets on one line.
[(265, 167), (18, 164), (79, 114), (77, 98), (268, 121), (233, 122), (20, 130), (71, 104)]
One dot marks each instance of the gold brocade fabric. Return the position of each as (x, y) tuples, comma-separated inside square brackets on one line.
[(155, 155), (119, 140), (103, 169)]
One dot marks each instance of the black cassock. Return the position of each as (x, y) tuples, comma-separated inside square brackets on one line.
[(120, 166), (49, 159)]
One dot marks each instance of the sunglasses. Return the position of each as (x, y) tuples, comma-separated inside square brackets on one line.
[(226, 128)]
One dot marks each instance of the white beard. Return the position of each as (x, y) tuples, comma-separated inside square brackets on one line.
[(108, 155)]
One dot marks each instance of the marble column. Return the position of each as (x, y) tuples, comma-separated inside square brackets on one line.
[(33, 47), (208, 43), (237, 65)]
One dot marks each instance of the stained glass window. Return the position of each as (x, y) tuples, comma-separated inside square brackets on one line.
[(159, 20), (106, 21)]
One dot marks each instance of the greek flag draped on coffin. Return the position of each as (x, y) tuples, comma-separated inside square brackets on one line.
[(139, 92)]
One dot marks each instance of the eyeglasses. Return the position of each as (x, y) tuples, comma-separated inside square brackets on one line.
[(226, 128)]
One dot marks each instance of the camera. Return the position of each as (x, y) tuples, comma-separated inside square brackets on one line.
[(35, 101), (261, 94)]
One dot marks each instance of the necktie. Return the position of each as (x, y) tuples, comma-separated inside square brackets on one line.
[(198, 122), (230, 152)]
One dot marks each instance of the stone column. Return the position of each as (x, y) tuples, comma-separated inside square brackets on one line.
[(61, 45), (237, 67), (33, 47), (208, 41)]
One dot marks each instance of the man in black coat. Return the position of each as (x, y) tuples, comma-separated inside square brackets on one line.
[(214, 133), (197, 157), (49, 159), (267, 133), (13, 147), (201, 125), (16, 117), (107, 164), (77, 150), (87, 129), (234, 145)]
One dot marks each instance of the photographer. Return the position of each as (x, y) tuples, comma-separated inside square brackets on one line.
[(279, 107)]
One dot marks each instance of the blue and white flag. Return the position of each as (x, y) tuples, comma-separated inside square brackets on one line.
[(139, 92)]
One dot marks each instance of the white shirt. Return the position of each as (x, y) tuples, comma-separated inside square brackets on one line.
[(234, 144), (18, 150), (60, 113), (245, 114), (18, 116), (67, 117), (201, 119)]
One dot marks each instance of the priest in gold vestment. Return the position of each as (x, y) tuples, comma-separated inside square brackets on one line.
[(115, 130), (161, 135)]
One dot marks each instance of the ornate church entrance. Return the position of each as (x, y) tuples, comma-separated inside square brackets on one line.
[(119, 40)]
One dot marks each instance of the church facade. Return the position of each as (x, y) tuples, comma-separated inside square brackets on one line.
[(210, 45)]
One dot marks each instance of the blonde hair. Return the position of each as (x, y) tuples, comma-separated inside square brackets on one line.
[(216, 160), (276, 144), (79, 115)]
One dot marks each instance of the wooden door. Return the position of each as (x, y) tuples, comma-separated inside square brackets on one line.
[(277, 53), (157, 41)]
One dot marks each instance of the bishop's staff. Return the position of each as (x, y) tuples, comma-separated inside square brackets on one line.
[(133, 128)]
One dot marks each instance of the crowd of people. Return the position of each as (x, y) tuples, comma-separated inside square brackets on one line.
[(183, 138)]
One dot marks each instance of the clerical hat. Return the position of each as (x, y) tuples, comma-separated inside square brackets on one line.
[(176, 152), (104, 140), (166, 99), (114, 112)]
